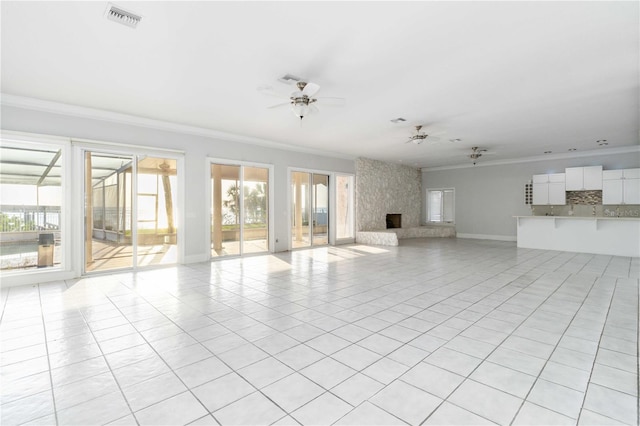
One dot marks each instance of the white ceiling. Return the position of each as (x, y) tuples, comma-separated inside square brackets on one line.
[(517, 78)]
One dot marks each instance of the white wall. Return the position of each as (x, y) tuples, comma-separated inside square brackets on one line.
[(196, 149), (487, 197)]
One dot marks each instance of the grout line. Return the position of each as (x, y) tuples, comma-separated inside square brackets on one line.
[(44, 326), (593, 284), (497, 267)]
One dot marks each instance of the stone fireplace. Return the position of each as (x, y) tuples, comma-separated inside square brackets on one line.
[(394, 220), (383, 188)]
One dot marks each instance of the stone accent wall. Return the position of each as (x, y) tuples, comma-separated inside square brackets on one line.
[(383, 188)]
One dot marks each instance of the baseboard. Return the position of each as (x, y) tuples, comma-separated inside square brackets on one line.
[(196, 258), (487, 237), (41, 276)]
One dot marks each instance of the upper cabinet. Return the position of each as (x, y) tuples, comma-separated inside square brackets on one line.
[(583, 178), (621, 186), (549, 189)]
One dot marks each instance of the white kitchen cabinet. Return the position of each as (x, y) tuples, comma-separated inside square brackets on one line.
[(612, 191), (540, 194), (548, 189), (557, 194), (583, 178), (612, 174), (631, 173), (631, 191), (621, 186)]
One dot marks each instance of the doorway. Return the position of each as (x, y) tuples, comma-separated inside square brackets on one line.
[(310, 209), (240, 209), (130, 211)]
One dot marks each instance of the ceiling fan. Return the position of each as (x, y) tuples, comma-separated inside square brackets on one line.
[(302, 101), (477, 153), (418, 137)]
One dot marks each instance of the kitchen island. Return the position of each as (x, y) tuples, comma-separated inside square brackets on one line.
[(618, 236)]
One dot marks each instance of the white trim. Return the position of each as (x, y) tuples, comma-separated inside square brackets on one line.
[(66, 269), (133, 149), (15, 136), (487, 237), (568, 155), (115, 117), (81, 146), (40, 276), (330, 206), (196, 258), (426, 206), (334, 240)]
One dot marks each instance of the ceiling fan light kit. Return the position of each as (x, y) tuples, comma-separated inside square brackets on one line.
[(420, 137), (476, 153), (302, 101)]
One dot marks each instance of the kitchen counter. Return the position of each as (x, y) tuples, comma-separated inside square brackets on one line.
[(618, 236)]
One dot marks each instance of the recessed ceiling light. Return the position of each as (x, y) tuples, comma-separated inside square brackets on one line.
[(572, 149), (548, 152), (398, 120), (455, 140)]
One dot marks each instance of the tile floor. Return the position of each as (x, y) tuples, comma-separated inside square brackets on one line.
[(436, 331)]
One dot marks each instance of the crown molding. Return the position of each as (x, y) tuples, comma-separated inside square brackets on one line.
[(28, 103), (537, 158)]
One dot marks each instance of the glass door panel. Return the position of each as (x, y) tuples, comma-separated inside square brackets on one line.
[(225, 210), (344, 207), (157, 198), (31, 207), (320, 200), (255, 230), (301, 208), (107, 211)]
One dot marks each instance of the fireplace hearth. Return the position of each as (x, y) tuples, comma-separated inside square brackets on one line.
[(394, 220)]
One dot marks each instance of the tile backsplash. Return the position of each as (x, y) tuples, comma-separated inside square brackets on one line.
[(589, 198)]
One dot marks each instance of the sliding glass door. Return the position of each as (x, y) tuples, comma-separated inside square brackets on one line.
[(239, 209), (310, 209), (130, 211)]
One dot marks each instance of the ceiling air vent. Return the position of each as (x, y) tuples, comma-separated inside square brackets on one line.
[(118, 14), (289, 79)]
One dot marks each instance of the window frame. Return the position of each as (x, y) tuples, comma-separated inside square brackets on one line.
[(453, 206)]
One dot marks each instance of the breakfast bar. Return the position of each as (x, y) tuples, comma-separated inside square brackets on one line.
[(617, 236)]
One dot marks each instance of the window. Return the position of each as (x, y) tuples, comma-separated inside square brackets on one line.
[(440, 207), (32, 205)]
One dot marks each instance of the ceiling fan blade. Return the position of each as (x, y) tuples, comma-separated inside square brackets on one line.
[(279, 105), (432, 138), (330, 101), (270, 91), (313, 109), (310, 89)]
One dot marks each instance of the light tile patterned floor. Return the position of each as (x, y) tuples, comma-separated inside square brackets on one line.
[(435, 331)]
